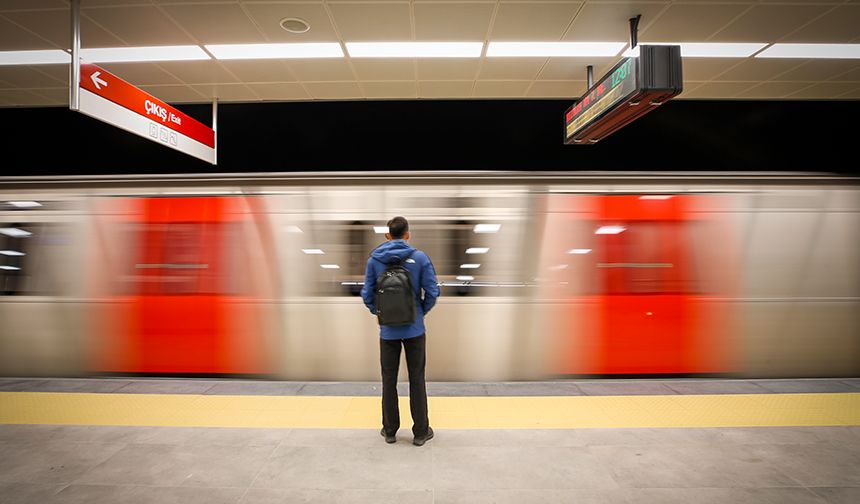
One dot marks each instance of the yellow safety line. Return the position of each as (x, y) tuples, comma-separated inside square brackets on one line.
[(565, 412)]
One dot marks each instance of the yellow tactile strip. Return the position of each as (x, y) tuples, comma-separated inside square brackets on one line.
[(772, 410)]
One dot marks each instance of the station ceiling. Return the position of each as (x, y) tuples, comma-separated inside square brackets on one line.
[(44, 24)]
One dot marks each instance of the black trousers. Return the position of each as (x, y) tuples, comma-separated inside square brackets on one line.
[(389, 353)]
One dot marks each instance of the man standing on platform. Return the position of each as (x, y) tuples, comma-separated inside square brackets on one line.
[(395, 276)]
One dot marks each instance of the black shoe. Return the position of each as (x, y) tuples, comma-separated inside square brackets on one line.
[(419, 441), (388, 439)]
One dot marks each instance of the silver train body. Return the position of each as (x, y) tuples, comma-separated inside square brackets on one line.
[(786, 267)]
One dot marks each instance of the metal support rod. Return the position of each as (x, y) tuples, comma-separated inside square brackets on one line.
[(75, 67), (634, 30), (589, 76), (215, 127)]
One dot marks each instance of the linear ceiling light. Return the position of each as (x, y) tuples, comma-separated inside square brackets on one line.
[(610, 230), (477, 250), (708, 49), (415, 49), (545, 49), (824, 51), (380, 229), (47, 57), (135, 54), (313, 251), (487, 228), (276, 51)]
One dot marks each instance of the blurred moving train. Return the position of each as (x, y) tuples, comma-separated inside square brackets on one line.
[(543, 274)]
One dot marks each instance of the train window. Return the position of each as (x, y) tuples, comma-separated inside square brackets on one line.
[(16, 243), (29, 255)]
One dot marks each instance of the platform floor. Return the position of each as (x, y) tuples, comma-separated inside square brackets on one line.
[(720, 441)]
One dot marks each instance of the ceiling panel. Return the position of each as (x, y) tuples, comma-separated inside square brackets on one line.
[(35, 77), (853, 76), (853, 94), (533, 20), (390, 89), (837, 26), (334, 90), (259, 70), (372, 21), (227, 92), (447, 68), (198, 72), (7, 5), (452, 22), (772, 90), (282, 91), (701, 69), (717, 90), (511, 68), (819, 70), (140, 73), (321, 70), (380, 69), (13, 37), (610, 22), (268, 17), (769, 23), (759, 69), (139, 25), (557, 89), (501, 89), (54, 25), (824, 90), (572, 68), (447, 89), (690, 22), (216, 23), (175, 94), (22, 97), (57, 96)]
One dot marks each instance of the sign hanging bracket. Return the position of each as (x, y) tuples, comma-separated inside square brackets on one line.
[(634, 31)]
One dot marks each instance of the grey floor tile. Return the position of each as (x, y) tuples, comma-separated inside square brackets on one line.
[(716, 387), (519, 468), (341, 389), (180, 465), (804, 386), (822, 464), (532, 389), (99, 434), (456, 389), (27, 493), (778, 435), (171, 435), (51, 462), (239, 436), (353, 438), (465, 438), (842, 435), (316, 496), (624, 388), (578, 496), (166, 387), (273, 388), (391, 467), (18, 385), (16, 433), (850, 495), (128, 494), (717, 496), (693, 466), (854, 382), (80, 385)]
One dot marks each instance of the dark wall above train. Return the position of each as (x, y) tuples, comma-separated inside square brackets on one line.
[(683, 135)]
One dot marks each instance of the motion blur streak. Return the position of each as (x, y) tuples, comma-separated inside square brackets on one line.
[(613, 276)]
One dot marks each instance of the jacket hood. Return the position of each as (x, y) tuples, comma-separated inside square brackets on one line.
[(392, 251)]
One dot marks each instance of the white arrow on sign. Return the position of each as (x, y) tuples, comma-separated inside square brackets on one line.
[(97, 81)]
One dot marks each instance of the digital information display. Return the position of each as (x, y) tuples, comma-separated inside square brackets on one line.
[(619, 83)]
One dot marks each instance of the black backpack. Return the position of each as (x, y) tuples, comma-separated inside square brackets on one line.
[(395, 298)]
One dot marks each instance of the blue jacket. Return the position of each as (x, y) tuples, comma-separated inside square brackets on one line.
[(423, 277)]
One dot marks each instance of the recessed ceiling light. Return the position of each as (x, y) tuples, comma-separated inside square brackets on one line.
[(465, 278), (25, 204), (707, 49), (558, 267), (380, 229), (134, 54), (276, 51), (11, 253), (414, 49), (9, 268), (470, 266), (610, 230), (15, 232), (295, 25), (313, 251), (655, 197), (824, 51), (558, 49), (45, 57), (579, 251), (294, 229), (487, 228), (329, 266), (477, 250)]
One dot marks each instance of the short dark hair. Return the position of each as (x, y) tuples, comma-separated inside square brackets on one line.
[(398, 227)]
